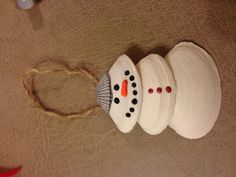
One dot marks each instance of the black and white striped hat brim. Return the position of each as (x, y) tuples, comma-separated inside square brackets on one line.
[(103, 93)]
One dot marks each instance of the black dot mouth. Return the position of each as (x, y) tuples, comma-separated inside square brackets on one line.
[(131, 78), (131, 109), (134, 85), (128, 114), (127, 72), (134, 101)]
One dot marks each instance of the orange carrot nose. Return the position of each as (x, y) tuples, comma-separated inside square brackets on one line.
[(124, 89)]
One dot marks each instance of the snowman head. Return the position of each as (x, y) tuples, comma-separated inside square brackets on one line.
[(120, 95)]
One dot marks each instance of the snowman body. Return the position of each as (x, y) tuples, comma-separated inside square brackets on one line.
[(181, 90), (158, 88)]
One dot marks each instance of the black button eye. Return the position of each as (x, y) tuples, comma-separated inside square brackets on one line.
[(134, 101), (131, 78), (135, 92), (116, 87), (131, 109), (127, 114), (134, 85), (127, 72), (116, 100)]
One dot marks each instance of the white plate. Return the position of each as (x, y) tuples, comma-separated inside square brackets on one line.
[(198, 91), (125, 108), (158, 102)]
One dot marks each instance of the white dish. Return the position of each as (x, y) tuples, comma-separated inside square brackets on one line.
[(198, 92), (158, 94), (126, 94)]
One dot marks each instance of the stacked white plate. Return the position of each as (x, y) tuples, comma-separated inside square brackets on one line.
[(181, 90)]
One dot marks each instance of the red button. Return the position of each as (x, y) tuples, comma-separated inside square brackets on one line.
[(159, 90), (168, 89), (150, 90)]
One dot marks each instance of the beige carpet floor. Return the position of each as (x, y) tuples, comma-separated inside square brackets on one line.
[(93, 34)]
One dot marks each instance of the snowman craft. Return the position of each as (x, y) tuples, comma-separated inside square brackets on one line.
[(181, 90)]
